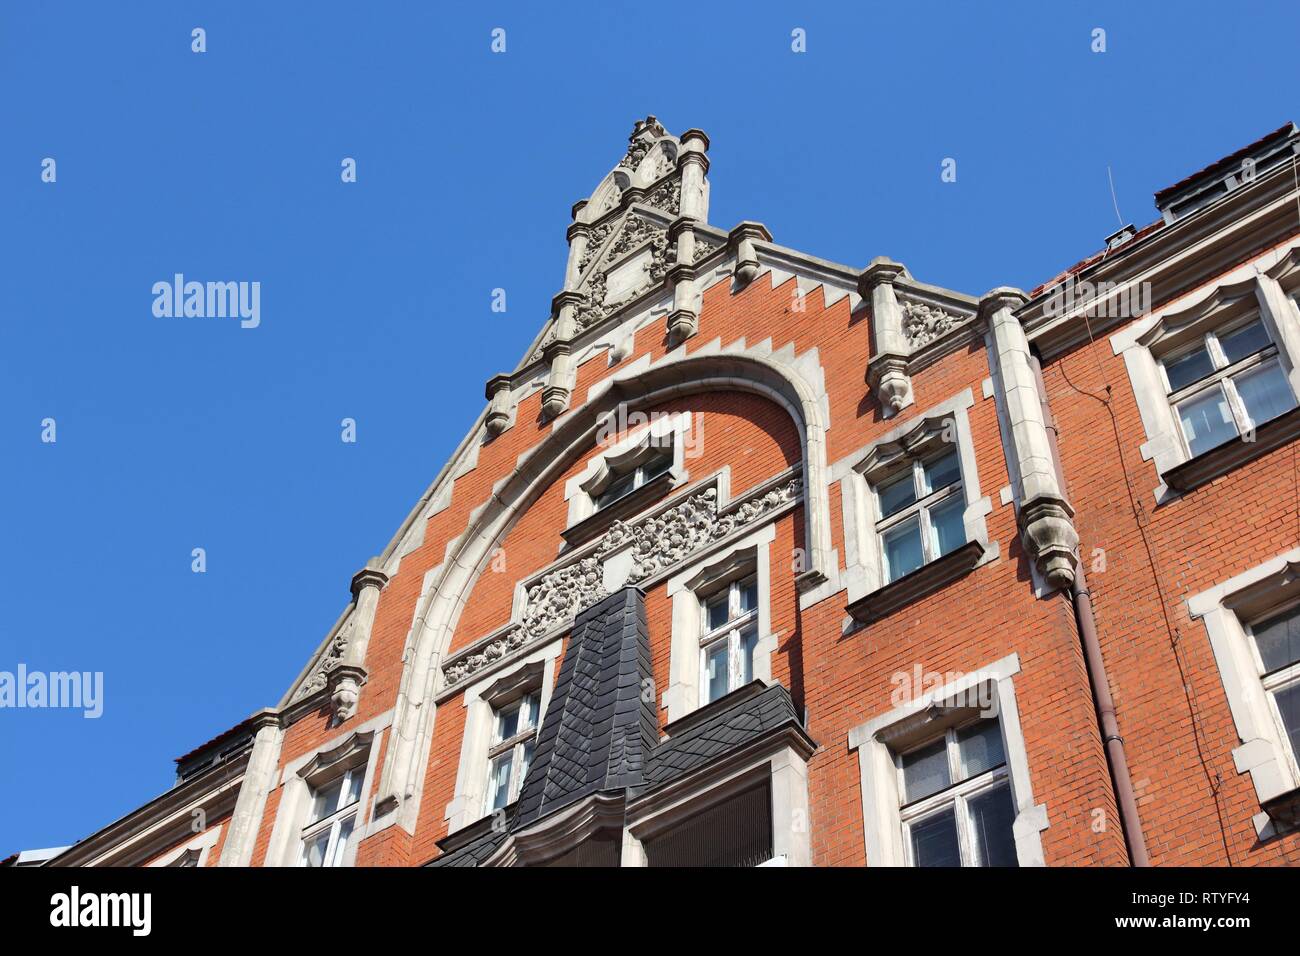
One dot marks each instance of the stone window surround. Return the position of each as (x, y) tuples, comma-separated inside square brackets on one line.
[(882, 822), (1225, 610), (358, 747), (786, 770), (199, 848), (535, 671), (747, 555), (1265, 285), (856, 472), (582, 490)]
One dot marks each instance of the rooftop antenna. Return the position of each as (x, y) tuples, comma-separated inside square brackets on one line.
[(1112, 195)]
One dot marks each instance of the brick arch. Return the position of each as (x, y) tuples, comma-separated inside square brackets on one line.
[(637, 389)]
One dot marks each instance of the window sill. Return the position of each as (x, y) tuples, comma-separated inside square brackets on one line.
[(911, 587), (1284, 810), (597, 523), (1216, 462)]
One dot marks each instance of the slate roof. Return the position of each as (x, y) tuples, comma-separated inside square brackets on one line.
[(599, 725)]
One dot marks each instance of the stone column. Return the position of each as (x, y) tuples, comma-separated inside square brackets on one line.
[(684, 320), (559, 382), (345, 680), (579, 234), (259, 780), (694, 164), (1046, 518), (887, 368)]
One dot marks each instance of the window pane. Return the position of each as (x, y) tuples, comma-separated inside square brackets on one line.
[(715, 666), (947, 525), (903, 549), (617, 489), (980, 748), (748, 596), (1188, 368), (1244, 341), (526, 762), (934, 841), (341, 844), (351, 791), (1265, 392), (896, 495), (991, 814), (326, 800), (717, 612), (655, 467), (925, 771), (1207, 423), (1288, 705), (942, 472), (507, 723), (315, 849), (1278, 640), (499, 783), (748, 641)]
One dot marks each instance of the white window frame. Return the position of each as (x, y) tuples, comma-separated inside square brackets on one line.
[(882, 802), (861, 471), (1263, 287), (1284, 678), (534, 671), (729, 632), (355, 750), (1228, 610), (920, 509), (332, 822), (956, 795), (747, 556), (665, 436), (513, 746)]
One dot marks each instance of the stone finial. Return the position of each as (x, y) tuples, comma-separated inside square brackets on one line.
[(741, 239)]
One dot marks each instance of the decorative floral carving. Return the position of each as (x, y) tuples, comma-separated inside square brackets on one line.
[(703, 247), (331, 659), (667, 196), (656, 543), (922, 324)]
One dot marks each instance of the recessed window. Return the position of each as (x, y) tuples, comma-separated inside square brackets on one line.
[(623, 485), (1225, 384), (956, 799), (1276, 641), (730, 634), (921, 514), (514, 737), (333, 818)]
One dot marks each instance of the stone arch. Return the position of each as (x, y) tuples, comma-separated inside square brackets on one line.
[(468, 555)]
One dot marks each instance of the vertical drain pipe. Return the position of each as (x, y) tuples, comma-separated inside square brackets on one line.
[(1081, 598)]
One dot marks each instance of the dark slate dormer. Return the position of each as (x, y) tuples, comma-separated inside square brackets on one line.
[(600, 725)]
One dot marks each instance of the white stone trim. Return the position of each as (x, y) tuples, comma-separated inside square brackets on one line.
[(881, 822), (683, 693), (201, 846), (1263, 751), (864, 571), (1205, 308), (581, 490), (302, 772), (467, 805)]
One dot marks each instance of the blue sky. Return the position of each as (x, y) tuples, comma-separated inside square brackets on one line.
[(174, 434)]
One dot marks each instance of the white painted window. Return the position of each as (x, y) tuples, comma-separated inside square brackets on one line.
[(622, 485), (921, 511), (1275, 644), (514, 737), (332, 820), (1225, 383), (729, 629), (957, 808)]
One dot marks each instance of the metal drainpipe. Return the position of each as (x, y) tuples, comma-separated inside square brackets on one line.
[(1081, 598)]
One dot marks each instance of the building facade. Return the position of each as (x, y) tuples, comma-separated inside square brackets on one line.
[(758, 559)]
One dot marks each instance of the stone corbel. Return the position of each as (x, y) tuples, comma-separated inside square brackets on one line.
[(1046, 519), (887, 369), (345, 680), (344, 684), (683, 321), (741, 241), (558, 354), (498, 394)]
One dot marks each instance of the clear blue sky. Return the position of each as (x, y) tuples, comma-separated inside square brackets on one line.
[(175, 434)]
